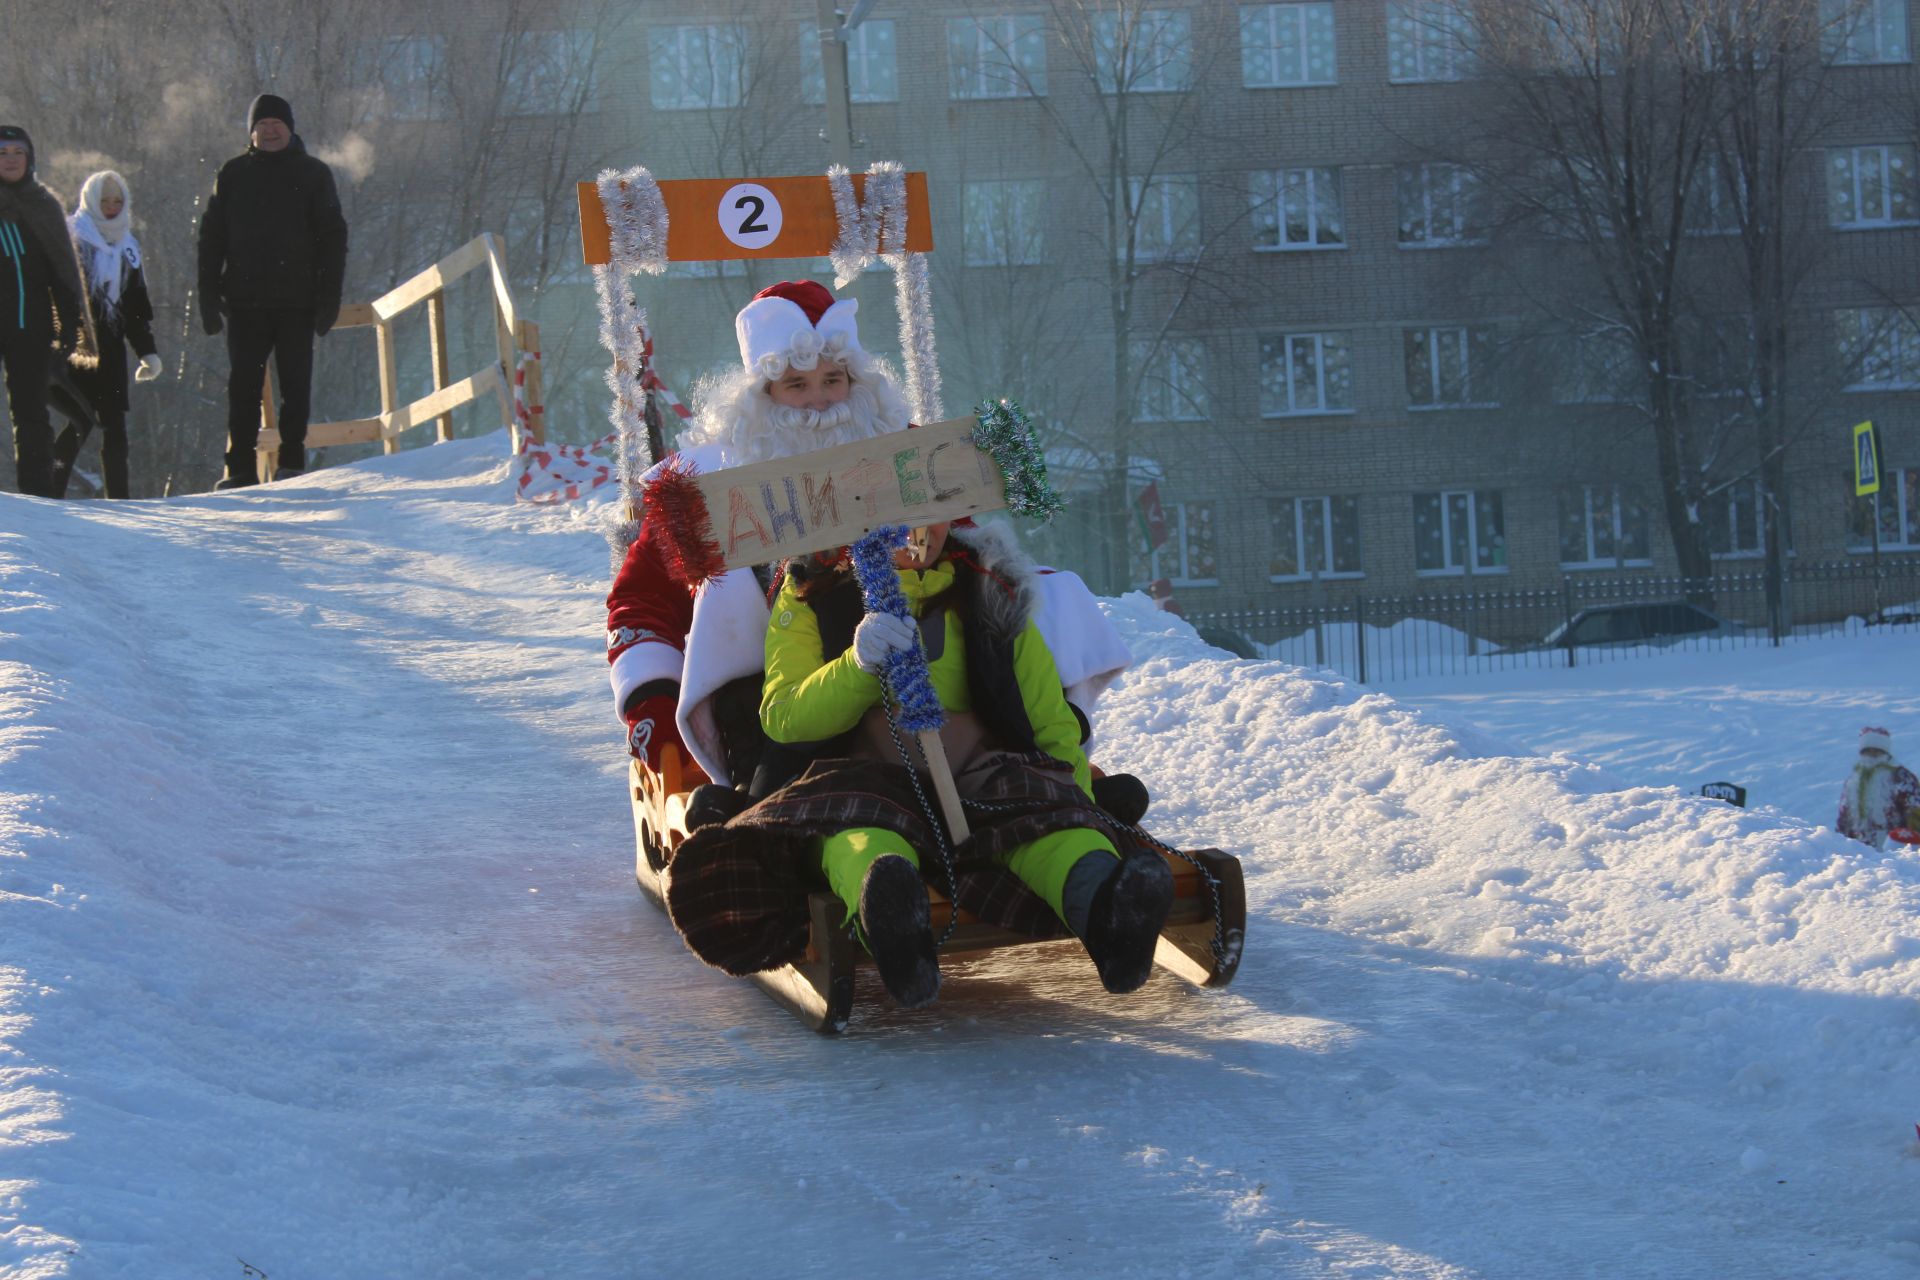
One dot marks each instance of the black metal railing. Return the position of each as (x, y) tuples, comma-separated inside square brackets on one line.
[(1590, 618)]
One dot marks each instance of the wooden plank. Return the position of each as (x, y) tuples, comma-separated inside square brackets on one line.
[(467, 257), (440, 402), (437, 344), (502, 293), (716, 219), (389, 375), (349, 431), (355, 315), (833, 497), (534, 392)]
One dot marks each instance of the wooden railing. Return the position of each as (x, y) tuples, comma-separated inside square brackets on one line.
[(513, 335)]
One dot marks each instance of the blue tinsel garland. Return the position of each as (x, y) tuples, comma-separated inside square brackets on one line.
[(906, 671)]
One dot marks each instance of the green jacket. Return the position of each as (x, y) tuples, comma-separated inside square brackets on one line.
[(810, 697)]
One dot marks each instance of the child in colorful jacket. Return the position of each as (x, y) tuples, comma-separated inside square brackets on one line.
[(1881, 794)]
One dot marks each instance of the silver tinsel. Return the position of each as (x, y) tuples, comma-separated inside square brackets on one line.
[(869, 227), (637, 231)]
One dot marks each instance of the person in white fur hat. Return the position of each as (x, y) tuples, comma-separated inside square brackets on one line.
[(682, 661), (116, 285), (1880, 795)]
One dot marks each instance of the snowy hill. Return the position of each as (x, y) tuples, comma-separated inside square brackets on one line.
[(320, 955)]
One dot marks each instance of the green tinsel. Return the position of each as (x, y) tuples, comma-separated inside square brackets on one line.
[(1004, 433)]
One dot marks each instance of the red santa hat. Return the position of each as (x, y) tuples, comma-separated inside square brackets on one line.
[(1873, 737), (794, 323)]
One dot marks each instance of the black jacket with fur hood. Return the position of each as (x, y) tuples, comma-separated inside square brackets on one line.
[(40, 293)]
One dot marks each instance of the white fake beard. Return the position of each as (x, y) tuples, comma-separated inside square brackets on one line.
[(744, 420)]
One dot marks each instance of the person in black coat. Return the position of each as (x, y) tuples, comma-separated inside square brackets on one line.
[(273, 257), (116, 285), (41, 315)]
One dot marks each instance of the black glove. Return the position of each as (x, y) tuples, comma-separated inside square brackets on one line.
[(210, 309), (324, 314)]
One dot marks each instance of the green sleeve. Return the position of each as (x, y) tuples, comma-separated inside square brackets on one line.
[(1056, 730), (807, 698)]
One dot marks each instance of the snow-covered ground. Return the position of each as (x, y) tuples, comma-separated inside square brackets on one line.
[(320, 953)]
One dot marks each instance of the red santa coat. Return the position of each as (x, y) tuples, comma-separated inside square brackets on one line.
[(1877, 797)]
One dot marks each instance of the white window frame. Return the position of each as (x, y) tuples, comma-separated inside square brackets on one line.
[(1744, 494), (1172, 386), (1443, 507), (1173, 559), (725, 86), (1166, 218), (540, 58), (1870, 337), (1901, 485), (1321, 509), (872, 47), (1158, 58), (1841, 43), (1320, 341), (1466, 339), (997, 211), (1436, 37), (1438, 188), (993, 64), (1260, 63), (1844, 175), (1608, 504), (1320, 185)]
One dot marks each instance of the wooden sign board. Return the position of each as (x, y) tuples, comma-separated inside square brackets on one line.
[(716, 219), (830, 498)]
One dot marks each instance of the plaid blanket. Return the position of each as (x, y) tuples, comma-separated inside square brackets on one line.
[(737, 893)]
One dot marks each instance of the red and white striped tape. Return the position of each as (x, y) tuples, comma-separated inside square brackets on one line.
[(553, 473)]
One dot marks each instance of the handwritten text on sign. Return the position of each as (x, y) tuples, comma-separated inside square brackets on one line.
[(833, 497)]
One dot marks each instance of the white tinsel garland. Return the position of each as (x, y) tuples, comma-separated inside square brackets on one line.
[(877, 227), (637, 234)]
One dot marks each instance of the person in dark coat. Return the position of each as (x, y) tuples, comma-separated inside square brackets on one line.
[(42, 318), (122, 312), (273, 257)]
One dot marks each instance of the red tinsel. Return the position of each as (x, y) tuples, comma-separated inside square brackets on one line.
[(677, 516)]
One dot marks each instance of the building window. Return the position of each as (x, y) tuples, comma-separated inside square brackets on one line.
[(1735, 525), (548, 73), (1440, 206), (1458, 531), (694, 67), (1871, 186), (1602, 526), (1297, 209), (413, 71), (1596, 368), (1896, 508), (1305, 373), (1716, 199), (1003, 222), (1285, 46), (1314, 538), (1879, 348), (1173, 381), (1428, 40), (1151, 53), (1855, 32), (1187, 556), (1166, 218), (873, 70), (1448, 368), (1003, 57)]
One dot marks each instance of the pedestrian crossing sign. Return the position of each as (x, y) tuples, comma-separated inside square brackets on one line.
[(1866, 460)]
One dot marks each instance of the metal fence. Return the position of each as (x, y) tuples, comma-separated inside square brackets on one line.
[(1589, 619)]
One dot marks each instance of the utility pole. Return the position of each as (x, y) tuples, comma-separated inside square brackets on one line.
[(833, 61)]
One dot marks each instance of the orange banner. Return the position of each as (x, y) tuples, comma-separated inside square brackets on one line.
[(710, 219)]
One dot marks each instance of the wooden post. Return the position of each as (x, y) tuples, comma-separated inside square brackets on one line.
[(505, 337), (389, 385), (437, 341), (936, 753), (535, 389)]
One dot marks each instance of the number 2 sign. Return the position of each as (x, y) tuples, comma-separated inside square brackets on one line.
[(711, 219)]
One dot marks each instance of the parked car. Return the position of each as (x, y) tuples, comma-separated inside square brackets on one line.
[(1658, 623), (1232, 641)]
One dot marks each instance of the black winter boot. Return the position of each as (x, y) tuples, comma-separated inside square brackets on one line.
[(897, 924), (710, 803), (1124, 921), (1122, 795)]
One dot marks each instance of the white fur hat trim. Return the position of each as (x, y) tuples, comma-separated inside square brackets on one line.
[(775, 333), (1874, 736)]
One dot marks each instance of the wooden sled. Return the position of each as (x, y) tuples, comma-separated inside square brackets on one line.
[(819, 988)]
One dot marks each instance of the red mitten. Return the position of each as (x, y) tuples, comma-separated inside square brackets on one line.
[(650, 728)]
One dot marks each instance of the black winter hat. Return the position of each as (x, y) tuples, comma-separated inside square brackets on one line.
[(14, 133), (269, 107)]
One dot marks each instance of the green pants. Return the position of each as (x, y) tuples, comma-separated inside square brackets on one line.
[(1042, 864)]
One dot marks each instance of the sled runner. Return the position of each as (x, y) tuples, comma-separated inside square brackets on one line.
[(1201, 942)]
